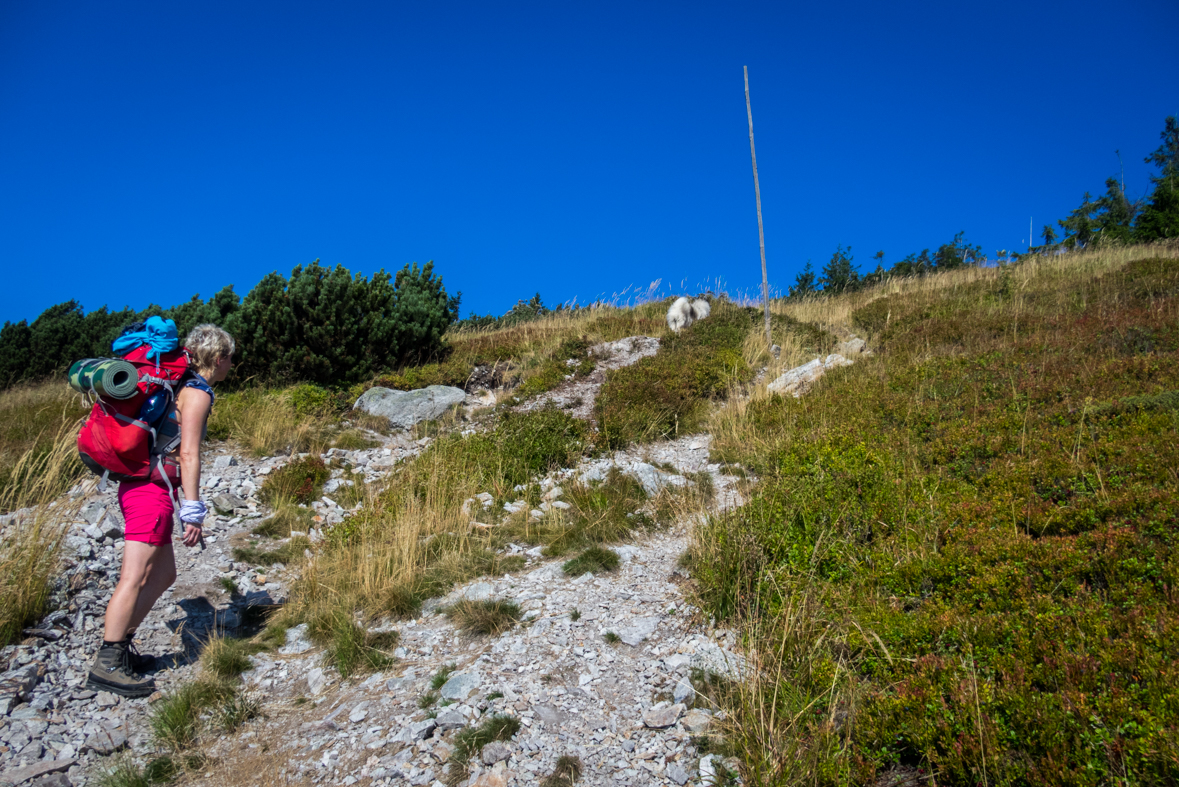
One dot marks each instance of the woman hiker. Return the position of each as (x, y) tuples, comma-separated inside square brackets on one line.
[(149, 565)]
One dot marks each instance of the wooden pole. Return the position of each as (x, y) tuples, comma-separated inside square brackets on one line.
[(761, 238)]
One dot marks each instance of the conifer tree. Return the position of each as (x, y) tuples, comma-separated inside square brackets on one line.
[(804, 283), (840, 274), (1160, 217)]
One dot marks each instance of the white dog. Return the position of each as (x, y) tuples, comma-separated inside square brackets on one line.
[(684, 312)]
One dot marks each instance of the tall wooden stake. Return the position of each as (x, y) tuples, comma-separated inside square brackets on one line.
[(761, 238)]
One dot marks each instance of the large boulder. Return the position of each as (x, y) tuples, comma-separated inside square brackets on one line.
[(406, 408)]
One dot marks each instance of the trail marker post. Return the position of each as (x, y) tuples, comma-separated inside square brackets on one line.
[(761, 238)]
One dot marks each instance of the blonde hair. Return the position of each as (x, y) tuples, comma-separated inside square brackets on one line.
[(206, 344)]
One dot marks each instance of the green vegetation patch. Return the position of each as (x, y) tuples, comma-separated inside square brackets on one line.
[(451, 372), (468, 743), (665, 395), (290, 552), (594, 559), (571, 358), (813, 339), (300, 480), (964, 556), (565, 772), (286, 518), (521, 446), (348, 647), (486, 616)]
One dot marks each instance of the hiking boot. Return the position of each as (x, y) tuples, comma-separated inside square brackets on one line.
[(112, 672)]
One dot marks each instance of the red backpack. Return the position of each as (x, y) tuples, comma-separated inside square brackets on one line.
[(117, 443)]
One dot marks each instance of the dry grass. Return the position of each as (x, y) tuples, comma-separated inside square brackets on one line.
[(32, 541), (31, 417), (834, 313), (265, 421)]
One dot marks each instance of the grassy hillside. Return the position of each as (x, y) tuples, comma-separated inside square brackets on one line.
[(962, 558)]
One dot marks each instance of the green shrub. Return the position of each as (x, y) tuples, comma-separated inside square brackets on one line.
[(521, 446), (451, 372), (329, 327), (286, 517), (227, 658), (309, 399), (554, 371), (565, 772)]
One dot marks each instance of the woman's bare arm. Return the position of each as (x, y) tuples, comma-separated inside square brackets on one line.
[(194, 406)]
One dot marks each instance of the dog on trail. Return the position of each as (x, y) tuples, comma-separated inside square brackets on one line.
[(684, 312)]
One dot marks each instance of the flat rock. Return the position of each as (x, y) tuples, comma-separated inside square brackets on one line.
[(494, 752), (29, 772), (796, 381), (476, 592), (225, 503), (683, 690), (639, 630), (420, 730), (677, 774), (450, 720), (403, 409), (316, 680), (496, 777), (458, 687), (19, 683), (52, 780), (92, 512), (109, 739), (649, 476), (696, 721), (661, 718)]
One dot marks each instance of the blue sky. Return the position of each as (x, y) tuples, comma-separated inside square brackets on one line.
[(156, 150)]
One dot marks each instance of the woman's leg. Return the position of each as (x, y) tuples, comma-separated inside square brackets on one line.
[(147, 572)]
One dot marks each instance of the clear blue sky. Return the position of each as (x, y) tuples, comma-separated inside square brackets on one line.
[(150, 151)]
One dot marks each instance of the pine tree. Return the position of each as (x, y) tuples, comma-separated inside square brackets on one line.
[(840, 274), (804, 283), (1160, 217)]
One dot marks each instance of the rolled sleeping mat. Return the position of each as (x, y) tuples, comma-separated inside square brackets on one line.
[(113, 378)]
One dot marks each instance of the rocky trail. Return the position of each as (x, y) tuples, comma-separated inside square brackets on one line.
[(599, 668)]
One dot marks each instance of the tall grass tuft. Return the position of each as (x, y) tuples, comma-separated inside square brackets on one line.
[(33, 538)]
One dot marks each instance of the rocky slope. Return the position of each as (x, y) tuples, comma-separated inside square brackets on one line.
[(598, 669)]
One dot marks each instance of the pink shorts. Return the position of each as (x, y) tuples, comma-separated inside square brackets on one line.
[(147, 512)]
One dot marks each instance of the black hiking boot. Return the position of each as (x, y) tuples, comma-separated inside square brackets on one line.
[(112, 672)]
